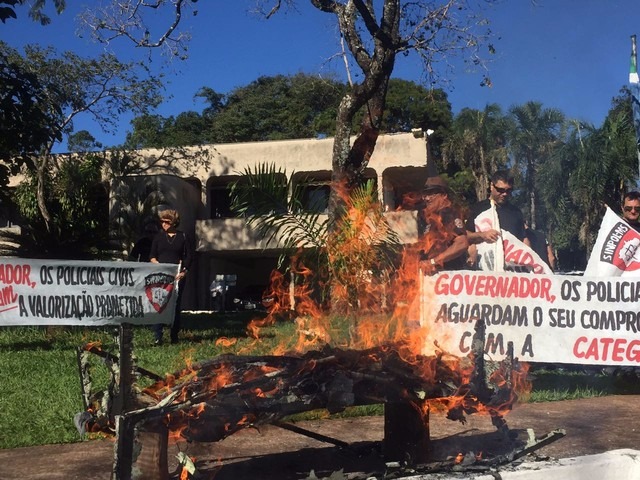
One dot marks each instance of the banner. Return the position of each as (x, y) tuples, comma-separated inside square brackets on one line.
[(510, 253), (615, 253), (70, 292), (549, 318)]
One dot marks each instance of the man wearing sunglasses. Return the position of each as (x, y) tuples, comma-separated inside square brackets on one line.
[(631, 209), (510, 217)]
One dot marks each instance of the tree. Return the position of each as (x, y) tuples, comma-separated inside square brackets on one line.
[(478, 144), (410, 105), (590, 168), (70, 86), (25, 118), (372, 34), (35, 10), (77, 201), (82, 141), (277, 108), (536, 131), (155, 131)]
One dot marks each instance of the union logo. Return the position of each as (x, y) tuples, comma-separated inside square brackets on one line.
[(159, 287)]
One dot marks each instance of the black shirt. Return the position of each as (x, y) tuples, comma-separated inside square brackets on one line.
[(174, 249), (509, 216), (538, 244)]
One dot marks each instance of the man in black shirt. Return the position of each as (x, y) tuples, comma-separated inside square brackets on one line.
[(510, 217)]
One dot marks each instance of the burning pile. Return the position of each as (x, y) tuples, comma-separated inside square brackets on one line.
[(213, 399), (376, 357)]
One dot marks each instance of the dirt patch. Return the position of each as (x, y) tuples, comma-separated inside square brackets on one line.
[(593, 426)]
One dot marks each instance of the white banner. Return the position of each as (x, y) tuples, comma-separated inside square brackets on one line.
[(508, 252), (549, 318), (73, 292), (615, 253)]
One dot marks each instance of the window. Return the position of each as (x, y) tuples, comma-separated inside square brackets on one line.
[(315, 197), (220, 201)]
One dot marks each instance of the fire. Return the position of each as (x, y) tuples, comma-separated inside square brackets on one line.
[(352, 312), (226, 342)]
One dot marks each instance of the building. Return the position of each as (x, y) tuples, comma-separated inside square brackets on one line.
[(224, 243)]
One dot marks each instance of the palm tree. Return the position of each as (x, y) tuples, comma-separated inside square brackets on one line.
[(478, 144), (536, 132)]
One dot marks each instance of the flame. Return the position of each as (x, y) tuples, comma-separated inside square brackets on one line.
[(226, 342), (373, 308)]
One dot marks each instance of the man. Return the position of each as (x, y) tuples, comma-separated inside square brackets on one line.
[(631, 209), (508, 216), (441, 233)]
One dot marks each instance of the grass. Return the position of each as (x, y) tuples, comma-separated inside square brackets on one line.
[(41, 385)]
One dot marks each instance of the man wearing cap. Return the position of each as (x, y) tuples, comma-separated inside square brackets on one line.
[(441, 233)]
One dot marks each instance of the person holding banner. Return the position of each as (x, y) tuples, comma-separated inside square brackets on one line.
[(631, 209), (441, 233), (171, 245), (513, 252)]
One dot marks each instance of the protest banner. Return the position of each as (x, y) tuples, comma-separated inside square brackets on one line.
[(73, 292), (549, 318), (508, 253), (616, 252)]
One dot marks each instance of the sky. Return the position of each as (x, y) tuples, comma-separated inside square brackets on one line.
[(572, 55)]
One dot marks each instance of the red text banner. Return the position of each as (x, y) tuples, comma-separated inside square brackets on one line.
[(549, 318), (72, 292)]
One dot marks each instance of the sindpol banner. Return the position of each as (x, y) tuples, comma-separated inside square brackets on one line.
[(616, 252), (67, 292), (549, 318)]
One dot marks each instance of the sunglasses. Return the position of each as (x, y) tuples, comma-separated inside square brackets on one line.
[(629, 209), (166, 221), (504, 190)]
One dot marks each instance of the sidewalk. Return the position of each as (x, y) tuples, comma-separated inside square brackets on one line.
[(593, 426)]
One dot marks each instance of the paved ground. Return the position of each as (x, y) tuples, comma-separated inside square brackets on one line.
[(592, 425)]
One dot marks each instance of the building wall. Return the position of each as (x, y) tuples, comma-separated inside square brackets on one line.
[(227, 245)]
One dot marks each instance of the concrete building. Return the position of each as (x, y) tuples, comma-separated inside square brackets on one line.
[(225, 245)]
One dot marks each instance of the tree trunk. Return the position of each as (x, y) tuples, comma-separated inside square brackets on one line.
[(40, 194)]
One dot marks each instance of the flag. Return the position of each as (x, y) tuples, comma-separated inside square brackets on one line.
[(510, 254), (615, 253), (634, 86)]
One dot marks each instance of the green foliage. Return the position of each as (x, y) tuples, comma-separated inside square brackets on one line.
[(535, 133), (477, 143), (287, 107), (155, 131), (584, 172), (26, 115), (35, 10), (410, 105), (77, 200), (277, 108), (82, 141)]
